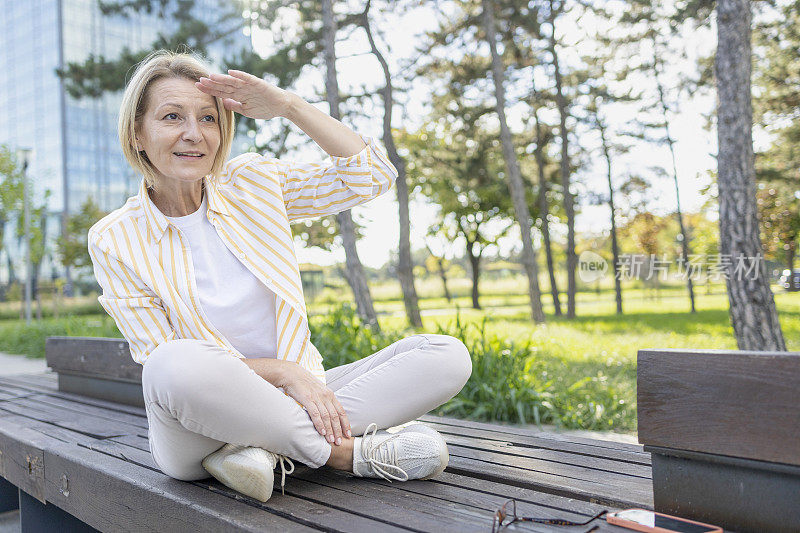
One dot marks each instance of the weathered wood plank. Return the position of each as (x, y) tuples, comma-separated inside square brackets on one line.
[(101, 413), (444, 511), (515, 430), (555, 456), (115, 495), (51, 389), (93, 356), (641, 458), (578, 478), (484, 488), (470, 490), (298, 504), (592, 490), (21, 458), (47, 378), (390, 506), (504, 455), (65, 418), (695, 400), (124, 392)]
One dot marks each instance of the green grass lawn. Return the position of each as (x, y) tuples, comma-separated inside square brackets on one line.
[(578, 373)]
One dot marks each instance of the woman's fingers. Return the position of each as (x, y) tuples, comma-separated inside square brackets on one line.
[(336, 423), (227, 80), (243, 76), (233, 105), (345, 423), (223, 88), (326, 419), (316, 418)]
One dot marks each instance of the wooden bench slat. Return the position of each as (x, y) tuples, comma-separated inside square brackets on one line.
[(592, 491), (536, 441), (288, 504), (460, 482), (51, 389), (101, 413), (554, 456), (388, 505), (695, 400), (101, 356), (573, 475), (143, 460), (67, 418), (21, 458), (515, 430), (112, 494), (37, 379), (468, 483), (426, 497)]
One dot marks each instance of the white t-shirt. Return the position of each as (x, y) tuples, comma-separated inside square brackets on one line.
[(232, 297)]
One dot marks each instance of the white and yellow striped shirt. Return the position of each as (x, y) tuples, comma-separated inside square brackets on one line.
[(141, 262)]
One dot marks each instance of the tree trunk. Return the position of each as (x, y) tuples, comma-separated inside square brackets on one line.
[(56, 298), (752, 306), (355, 271), (12, 275), (790, 253), (38, 305), (612, 209), (544, 211), (442, 273), (671, 144), (475, 266), (405, 266), (572, 259), (515, 185)]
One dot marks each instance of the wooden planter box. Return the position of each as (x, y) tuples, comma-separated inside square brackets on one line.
[(723, 428)]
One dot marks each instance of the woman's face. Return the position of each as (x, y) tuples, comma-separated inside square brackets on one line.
[(179, 118)]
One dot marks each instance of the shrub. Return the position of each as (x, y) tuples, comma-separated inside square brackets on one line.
[(515, 382), (342, 338)]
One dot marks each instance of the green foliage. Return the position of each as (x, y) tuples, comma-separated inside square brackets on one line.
[(12, 204), (10, 310), (73, 250), (20, 338), (513, 381), (342, 338)]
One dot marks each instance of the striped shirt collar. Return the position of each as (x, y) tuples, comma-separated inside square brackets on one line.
[(156, 221)]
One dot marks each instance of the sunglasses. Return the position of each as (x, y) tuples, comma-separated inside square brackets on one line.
[(507, 515)]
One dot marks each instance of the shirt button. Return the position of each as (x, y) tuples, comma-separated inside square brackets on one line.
[(241, 255)]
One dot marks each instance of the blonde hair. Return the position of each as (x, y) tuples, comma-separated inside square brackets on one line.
[(166, 64)]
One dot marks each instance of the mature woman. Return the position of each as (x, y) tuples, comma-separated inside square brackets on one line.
[(199, 272)]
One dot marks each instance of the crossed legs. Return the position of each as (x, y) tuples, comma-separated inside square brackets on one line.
[(198, 398)]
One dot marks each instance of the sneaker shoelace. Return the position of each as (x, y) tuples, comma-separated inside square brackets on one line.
[(382, 456), (281, 458)]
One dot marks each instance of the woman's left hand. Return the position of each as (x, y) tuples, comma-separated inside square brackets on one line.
[(247, 94)]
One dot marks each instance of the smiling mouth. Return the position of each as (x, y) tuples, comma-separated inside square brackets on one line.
[(189, 156)]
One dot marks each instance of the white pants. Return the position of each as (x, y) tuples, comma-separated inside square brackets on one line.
[(198, 397)]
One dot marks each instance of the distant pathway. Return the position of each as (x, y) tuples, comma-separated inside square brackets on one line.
[(19, 364)]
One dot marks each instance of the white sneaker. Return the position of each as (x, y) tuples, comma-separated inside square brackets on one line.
[(415, 451), (247, 469)]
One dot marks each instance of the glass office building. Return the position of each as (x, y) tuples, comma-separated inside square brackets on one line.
[(74, 143)]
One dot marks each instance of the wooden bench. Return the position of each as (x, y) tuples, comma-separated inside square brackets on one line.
[(723, 428), (81, 460)]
